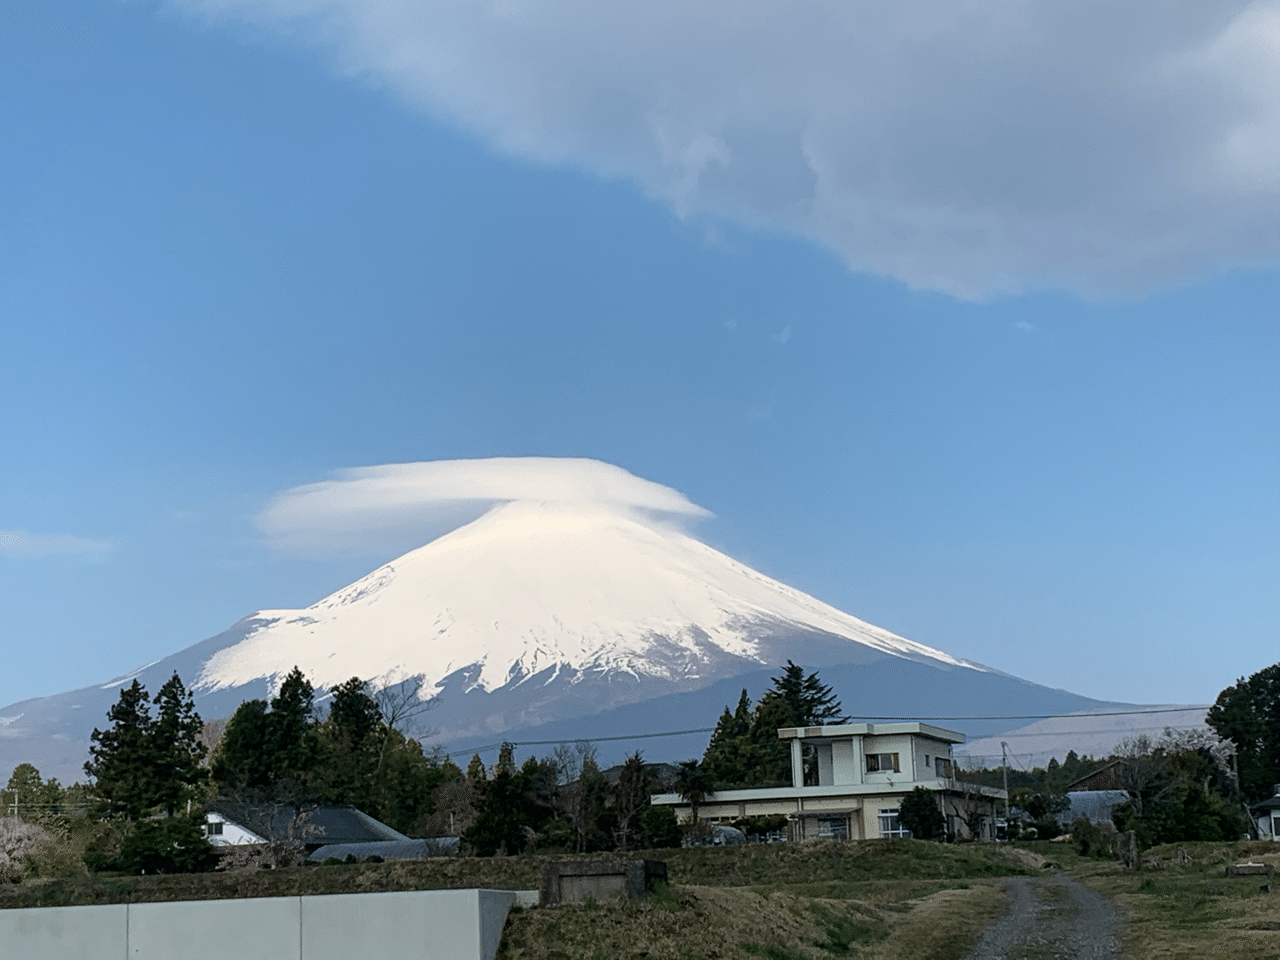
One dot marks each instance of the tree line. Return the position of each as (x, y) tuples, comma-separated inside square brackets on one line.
[(157, 764)]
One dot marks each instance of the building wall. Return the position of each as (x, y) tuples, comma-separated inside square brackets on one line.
[(415, 925), (231, 834)]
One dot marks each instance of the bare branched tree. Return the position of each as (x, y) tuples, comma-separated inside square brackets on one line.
[(210, 736), (286, 831), (969, 805), (1143, 771), (402, 706), (579, 794)]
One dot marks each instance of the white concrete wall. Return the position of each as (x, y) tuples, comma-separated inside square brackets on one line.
[(414, 925), (846, 761)]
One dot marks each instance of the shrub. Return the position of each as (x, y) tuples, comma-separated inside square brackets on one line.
[(171, 845), (19, 843), (1093, 840), (660, 829), (921, 814)]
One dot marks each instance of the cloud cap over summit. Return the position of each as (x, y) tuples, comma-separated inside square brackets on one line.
[(371, 508)]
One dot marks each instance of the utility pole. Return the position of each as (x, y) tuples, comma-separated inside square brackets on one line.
[(1004, 763)]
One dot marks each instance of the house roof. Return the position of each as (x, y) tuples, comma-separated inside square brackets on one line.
[(389, 849), (1105, 777), (870, 730), (1271, 803), (323, 824)]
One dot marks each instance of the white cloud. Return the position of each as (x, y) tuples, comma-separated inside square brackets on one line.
[(21, 543), (974, 147), (403, 505)]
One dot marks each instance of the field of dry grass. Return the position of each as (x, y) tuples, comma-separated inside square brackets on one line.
[(1190, 910), (880, 901), (911, 920)]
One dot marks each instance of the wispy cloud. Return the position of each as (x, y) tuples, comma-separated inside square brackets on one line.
[(783, 335), (401, 505), (22, 543), (975, 147)]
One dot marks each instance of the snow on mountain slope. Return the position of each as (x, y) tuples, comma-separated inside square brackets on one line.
[(540, 588)]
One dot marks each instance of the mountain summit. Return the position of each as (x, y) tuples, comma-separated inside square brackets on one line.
[(554, 619), (548, 590)]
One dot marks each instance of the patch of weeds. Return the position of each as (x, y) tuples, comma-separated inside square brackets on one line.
[(772, 951), (664, 897), (844, 929)]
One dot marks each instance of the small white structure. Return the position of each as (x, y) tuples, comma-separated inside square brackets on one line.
[(1266, 815), (863, 772), (222, 831)]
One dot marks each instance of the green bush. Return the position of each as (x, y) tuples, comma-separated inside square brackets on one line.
[(921, 814), (171, 845), (660, 829)]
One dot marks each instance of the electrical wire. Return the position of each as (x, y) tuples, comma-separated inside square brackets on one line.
[(680, 733)]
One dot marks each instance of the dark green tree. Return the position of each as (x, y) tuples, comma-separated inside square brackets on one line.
[(293, 722), (660, 828), (510, 812), (239, 762), (168, 845), (631, 798), (693, 785), (28, 792), (179, 754), (274, 749), (350, 743), (123, 757), (921, 814), (810, 702), (745, 751), (1248, 714)]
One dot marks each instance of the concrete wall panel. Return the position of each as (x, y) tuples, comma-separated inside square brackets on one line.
[(265, 929), (413, 925), (64, 933)]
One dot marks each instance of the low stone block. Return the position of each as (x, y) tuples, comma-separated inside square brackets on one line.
[(576, 881)]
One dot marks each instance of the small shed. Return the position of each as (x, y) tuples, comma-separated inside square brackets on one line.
[(1266, 815)]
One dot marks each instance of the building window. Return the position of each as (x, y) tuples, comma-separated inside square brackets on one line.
[(213, 828), (890, 827), (833, 828), (942, 767), (882, 763)]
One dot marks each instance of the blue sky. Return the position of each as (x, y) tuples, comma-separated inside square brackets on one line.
[(1013, 393)]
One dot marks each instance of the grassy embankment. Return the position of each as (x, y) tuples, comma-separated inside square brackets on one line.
[(1191, 910), (881, 901)]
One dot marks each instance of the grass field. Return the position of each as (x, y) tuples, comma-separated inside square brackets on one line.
[(1191, 910), (881, 901)]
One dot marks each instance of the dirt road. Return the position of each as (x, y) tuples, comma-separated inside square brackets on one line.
[(1051, 918)]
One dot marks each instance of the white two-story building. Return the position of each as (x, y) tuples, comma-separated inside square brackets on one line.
[(863, 770)]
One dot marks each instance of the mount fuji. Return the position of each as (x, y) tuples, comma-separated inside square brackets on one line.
[(548, 620)]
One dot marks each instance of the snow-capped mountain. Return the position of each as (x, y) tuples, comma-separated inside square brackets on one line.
[(545, 589), (578, 620)]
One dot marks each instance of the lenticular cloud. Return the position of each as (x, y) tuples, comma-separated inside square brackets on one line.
[(406, 504), (974, 147)]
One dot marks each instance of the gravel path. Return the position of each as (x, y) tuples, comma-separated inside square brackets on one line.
[(1051, 918)]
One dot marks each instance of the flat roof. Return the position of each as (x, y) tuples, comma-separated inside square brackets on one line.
[(871, 730)]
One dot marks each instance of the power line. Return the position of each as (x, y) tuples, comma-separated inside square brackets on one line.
[(680, 733)]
